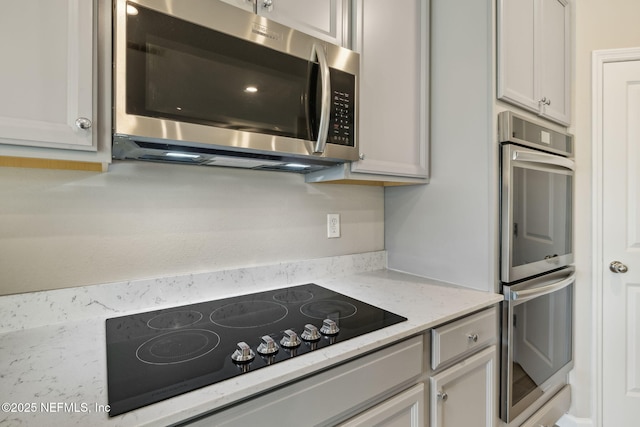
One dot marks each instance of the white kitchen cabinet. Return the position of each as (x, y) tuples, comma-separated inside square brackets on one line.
[(465, 394), (534, 60), (327, 19), (48, 81), (466, 336), (393, 131), (375, 383), (403, 410), (464, 383)]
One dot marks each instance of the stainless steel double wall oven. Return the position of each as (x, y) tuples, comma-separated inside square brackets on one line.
[(536, 272)]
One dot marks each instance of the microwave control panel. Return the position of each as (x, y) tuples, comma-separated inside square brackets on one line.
[(342, 120)]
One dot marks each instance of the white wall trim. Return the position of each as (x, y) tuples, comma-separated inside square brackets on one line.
[(599, 59)]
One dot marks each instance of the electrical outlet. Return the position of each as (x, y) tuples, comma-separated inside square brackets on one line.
[(333, 226)]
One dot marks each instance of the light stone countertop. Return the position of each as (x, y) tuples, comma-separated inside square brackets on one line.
[(55, 374)]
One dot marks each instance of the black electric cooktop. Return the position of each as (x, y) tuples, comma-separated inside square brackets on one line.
[(159, 354)]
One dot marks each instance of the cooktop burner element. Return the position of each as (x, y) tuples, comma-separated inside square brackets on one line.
[(159, 354), (328, 309), (249, 314), (174, 319), (177, 346)]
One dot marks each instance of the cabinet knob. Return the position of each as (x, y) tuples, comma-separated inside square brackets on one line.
[(361, 156), (442, 395), (473, 337), (545, 101), (267, 4), (83, 123)]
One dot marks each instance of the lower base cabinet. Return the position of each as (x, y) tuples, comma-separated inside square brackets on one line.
[(449, 380), (383, 387), (403, 410), (464, 394), (463, 385)]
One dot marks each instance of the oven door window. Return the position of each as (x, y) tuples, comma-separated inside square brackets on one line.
[(542, 212), (180, 71)]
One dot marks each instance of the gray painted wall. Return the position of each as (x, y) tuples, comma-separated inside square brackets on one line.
[(446, 229)]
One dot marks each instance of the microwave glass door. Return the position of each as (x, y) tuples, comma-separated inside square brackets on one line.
[(538, 324), (181, 71), (537, 212)]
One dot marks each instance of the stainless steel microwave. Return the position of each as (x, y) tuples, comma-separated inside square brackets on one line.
[(204, 82)]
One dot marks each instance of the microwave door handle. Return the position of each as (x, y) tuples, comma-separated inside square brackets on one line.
[(547, 159), (538, 292), (325, 109)]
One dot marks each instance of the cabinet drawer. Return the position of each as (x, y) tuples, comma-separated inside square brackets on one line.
[(463, 337)]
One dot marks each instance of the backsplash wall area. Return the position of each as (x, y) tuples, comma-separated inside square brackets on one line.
[(141, 220)]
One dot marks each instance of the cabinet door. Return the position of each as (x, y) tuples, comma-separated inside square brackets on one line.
[(403, 410), (516, 61), (392, 38), (534, 56), (555, 60), (465, 394), (324, 19), (46, 78)]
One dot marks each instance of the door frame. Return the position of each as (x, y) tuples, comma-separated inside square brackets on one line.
[(599, 59)]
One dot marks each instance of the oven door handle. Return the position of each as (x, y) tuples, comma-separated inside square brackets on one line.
[(528, 294), (325, 106), (547, 159)]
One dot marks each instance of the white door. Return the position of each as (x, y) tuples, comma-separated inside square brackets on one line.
[(621, 242)]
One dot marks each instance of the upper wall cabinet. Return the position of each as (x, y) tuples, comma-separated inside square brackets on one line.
[(393, 130), (534, 61), (47, 80), (327, 20)]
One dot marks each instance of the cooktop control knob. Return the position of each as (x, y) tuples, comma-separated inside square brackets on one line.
[(243, 353), (267, 346), (329, 327), (290, 339), (310, 333)]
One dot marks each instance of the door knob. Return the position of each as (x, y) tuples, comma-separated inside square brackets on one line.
[(618, 267)]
